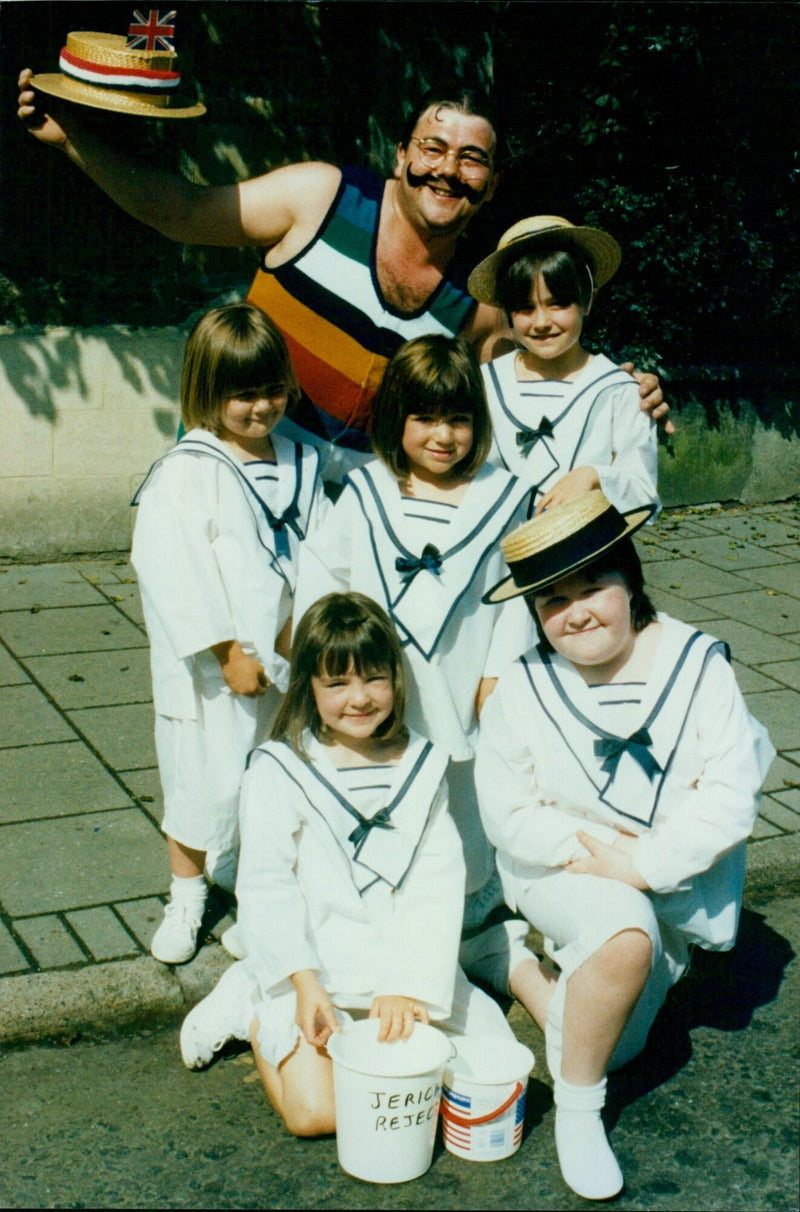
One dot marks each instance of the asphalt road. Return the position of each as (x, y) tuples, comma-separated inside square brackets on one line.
[(706, 1119)]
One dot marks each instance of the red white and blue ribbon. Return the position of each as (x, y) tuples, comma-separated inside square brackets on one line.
[(153, 32), (132, 79)]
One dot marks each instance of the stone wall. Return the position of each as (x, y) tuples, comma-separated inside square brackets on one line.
[(84, 412)]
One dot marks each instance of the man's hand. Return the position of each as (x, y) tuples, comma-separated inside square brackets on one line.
[(41, 124), (652, 397), (573, 484)]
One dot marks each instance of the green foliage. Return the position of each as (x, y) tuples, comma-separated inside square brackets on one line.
[(669, 124)]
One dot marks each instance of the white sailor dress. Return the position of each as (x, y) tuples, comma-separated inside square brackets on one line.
[(357, 874), (678, 761), (429, 572), (544, 428), (215, 548)]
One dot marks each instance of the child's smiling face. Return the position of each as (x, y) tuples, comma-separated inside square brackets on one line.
[(352, 705), (548, 331), (435, 445)]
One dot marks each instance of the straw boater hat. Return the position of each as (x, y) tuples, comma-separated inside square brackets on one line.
[(604, 252), (133, 75), (561, 540)]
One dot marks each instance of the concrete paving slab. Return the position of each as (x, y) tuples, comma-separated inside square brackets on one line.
[(102, 932), (779, 712), (142, 917), (758, 528), (93, 859), (751, 645), (11, 958), (11, 673), (787, 672), (730, 554), (23, 586), (28, 717), (764, 828), (790, 797), (785, 578), (751, 679), (146, 786), (50, 942), (69, 629), (782, 775), (55, 780), (128, 600), (123, 736), (771, 611), (689, 612), (690, 579), (95, 679), (780, 814)]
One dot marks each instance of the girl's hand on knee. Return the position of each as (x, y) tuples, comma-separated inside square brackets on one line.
[(398, 1015), (609, 862), (243, 674), (315, 1014)]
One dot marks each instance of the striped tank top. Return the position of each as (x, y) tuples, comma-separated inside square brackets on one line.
[(339, 329)]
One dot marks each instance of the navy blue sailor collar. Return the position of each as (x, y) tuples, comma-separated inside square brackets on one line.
[(423, 589), (384, 844), (541, 443), (627, 773)]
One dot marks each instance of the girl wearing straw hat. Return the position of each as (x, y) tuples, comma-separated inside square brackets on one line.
[(618, 774), (565, 421)]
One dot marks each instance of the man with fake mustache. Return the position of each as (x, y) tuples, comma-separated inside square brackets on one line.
[(353, 265)]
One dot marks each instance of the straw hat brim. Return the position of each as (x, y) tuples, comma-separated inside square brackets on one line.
[(508, 588), (57, 85), (604, 252)]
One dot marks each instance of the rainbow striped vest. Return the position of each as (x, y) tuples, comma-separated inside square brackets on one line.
[(339, 329)]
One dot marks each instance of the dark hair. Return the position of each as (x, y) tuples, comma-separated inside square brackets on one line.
[(474, 102), (433, 374), (230, 350), (622, 559), (568, 272), (339, 630)]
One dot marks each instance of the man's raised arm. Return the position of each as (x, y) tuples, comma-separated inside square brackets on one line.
[(284, 205)]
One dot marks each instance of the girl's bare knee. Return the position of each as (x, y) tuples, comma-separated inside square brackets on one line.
[(309, 1119)]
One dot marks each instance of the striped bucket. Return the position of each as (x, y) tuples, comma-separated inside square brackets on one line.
[(483, 1098)]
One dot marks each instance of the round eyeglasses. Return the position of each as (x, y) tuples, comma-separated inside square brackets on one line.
[(470, 163)]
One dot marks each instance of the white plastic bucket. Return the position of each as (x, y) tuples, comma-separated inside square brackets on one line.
[(387, 1100), (483, 1098)]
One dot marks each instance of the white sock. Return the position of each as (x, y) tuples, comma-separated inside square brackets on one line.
[(189, 890), (587, 1161)]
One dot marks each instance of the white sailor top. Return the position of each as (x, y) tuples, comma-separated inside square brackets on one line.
[(216, 562), (543, 429), (678, 761), (368, 894), (430, 579)]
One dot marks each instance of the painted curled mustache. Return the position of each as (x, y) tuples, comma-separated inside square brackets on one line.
[(457, 187)]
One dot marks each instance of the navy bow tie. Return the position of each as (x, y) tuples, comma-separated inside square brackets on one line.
[(381, 820), (279, 525), (637, 745), (410, 565), (529, 437)]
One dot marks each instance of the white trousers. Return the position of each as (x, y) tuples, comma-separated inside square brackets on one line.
[(578, 914)]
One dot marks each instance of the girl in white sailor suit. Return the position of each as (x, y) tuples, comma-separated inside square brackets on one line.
[(417, 530), (565, 421), (215, 548), (618, 772), (351, 877)]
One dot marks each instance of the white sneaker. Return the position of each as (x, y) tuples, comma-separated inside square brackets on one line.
[(175, 941), (224, 1015)]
